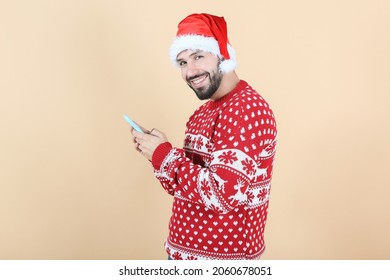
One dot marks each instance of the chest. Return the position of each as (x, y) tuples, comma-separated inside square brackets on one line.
[(198, 142)]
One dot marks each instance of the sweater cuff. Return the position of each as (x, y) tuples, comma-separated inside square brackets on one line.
[(160, 154)]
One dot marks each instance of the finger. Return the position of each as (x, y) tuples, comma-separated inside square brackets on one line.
[(146, 131), (156, 132), (140, 148), (142, 128), (143, 137), (161, 135), (131, 130), (136, 147), (137, 135)]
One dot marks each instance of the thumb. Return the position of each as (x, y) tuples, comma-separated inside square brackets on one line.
[(156, 132)]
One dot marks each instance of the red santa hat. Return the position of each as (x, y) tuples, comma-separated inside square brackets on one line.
[(204, 32)]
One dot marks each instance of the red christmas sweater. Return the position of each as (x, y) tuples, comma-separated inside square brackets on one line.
[(221, 179)]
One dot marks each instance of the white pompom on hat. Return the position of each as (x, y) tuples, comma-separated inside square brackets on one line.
[(207, 33)]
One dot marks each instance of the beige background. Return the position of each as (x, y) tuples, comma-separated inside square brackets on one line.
[(73, 187)]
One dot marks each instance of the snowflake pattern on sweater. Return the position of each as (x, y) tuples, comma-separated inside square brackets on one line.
[(221, 179)]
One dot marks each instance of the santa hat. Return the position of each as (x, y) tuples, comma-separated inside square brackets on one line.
[(207, 33)]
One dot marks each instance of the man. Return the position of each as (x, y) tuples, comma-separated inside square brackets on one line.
[(221, 179)]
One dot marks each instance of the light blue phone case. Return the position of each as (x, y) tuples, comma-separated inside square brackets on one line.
[(133, 124)]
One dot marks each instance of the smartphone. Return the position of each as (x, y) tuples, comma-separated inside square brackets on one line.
[(133, 124)]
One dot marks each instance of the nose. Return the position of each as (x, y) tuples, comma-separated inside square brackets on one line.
[(190, 70)]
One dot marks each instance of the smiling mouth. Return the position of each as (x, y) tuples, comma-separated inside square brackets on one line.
[(198, 80)]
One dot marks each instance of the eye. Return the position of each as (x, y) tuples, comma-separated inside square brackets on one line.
[(198, 57), (182, 63)]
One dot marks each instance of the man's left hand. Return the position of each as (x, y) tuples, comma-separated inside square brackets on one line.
[(146, 143)]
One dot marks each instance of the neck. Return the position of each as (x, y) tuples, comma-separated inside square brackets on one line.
[(228, 83)]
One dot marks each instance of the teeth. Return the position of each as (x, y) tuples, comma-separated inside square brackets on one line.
[(199, 80)]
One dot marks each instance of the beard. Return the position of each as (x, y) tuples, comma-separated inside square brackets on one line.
[(207, 92)]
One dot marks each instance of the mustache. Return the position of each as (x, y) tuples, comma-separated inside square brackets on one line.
[(196, 76)]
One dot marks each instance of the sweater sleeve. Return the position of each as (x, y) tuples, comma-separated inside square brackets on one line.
[(223, 184), (158, 156)]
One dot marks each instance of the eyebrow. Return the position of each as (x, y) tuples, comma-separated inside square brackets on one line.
[(191, 55)]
